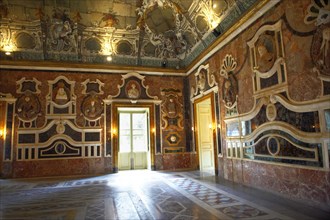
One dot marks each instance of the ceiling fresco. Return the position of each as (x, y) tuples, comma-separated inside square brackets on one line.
[(149, 33)]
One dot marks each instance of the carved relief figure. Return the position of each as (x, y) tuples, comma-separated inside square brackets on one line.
[(230, 91), (61, 94), (61, 31), (171, 108), (28, 107), (201, 81), (92, 107), (265, 56), (318, 13), (325, 44), (320, 49), (132, 90)]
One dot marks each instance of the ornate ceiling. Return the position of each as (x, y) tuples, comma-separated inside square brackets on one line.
[(145, 33)]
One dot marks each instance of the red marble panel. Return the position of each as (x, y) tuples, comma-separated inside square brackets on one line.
[(63, 167), (308, 185), (221, 172), (159, 162), (237, 171), (228, 169), (177, 161)]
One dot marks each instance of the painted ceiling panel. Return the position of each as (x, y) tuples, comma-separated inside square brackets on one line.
[(154, 33)]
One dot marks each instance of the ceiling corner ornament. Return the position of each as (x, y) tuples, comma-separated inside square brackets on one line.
[(168, 43)]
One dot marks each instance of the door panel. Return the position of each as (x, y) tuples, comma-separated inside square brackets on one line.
[(205, 135), (124, 161), (140, 160)]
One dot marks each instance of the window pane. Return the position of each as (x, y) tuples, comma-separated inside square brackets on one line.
[(139, 143), (124, 121), (124, 132), (125, 143), (138, 132), (139, 120)]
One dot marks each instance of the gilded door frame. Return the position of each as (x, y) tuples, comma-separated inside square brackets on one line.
[(215, 148), (115, 126)]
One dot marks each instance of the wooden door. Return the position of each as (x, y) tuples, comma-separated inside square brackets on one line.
[(205, 135)]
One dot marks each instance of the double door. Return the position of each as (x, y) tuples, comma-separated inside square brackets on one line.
[(133, 140)]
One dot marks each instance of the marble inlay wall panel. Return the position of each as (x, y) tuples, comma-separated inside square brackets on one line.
[(108, 86), (304, 36), (179, 161)]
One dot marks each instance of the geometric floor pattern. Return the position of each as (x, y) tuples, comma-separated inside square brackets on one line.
[(125, 195), (225, 205)]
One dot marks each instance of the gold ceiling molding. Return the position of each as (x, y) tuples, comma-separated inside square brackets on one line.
[(87, 67)]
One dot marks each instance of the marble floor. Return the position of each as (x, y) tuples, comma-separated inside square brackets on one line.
[(143, 194)]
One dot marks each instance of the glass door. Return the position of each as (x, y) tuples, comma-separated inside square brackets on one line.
[(133, 140)]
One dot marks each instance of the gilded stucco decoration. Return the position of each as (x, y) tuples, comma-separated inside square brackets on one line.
[(152, 33), (229, 85), (166, 38), (110, 19), (61, 32)]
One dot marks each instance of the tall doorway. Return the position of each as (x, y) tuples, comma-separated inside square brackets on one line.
[(134, 138), (205, 135)]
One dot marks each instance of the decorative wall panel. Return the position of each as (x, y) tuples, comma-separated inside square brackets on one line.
[(60, 136), (268, 59)]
